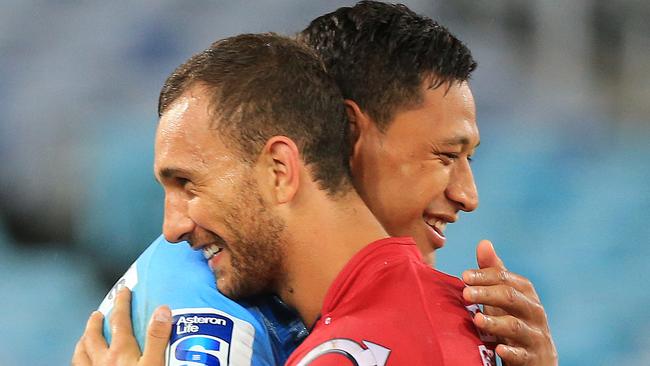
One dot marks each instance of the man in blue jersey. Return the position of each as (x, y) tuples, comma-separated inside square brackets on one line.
[(162, 272)]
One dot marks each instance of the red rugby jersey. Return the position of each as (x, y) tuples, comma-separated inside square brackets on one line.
[(387, 307)]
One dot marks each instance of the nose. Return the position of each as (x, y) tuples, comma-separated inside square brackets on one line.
[(177, 225), (462, 188)]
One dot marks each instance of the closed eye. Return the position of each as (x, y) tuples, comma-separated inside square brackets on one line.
[(182, 181), (186, 185), (447, 158)]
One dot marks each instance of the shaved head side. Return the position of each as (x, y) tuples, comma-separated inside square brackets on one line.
[(265, 85)]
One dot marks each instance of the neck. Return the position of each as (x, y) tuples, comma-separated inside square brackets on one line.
[(322, 242)]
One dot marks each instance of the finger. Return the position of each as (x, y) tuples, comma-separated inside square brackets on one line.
[(495, 276), (487, 257), (158, 332), (120, 321), (513, 356), (514, 330), (80, 357), (493, 310), (507, 298), (93, 340)]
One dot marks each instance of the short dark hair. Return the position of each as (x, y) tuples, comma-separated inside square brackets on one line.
[(380, 54), (264, 85)]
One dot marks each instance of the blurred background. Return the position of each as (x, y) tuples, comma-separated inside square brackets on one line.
[(563, 97)]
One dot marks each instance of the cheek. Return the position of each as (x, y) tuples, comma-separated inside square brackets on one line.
[(417, 189), (430, 180), (396, 204), (204, 211)]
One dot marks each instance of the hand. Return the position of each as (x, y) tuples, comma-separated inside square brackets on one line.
[(512, 311), (92, 348)]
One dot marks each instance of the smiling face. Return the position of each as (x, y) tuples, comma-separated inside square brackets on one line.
[(212, 199), (416, 175)]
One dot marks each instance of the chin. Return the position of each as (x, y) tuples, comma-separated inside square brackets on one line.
[(237, 290), (225, 287)]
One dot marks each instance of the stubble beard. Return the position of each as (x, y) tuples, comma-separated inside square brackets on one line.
[(257, 250)]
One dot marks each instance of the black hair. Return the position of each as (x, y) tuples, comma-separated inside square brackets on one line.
[(381, 54)]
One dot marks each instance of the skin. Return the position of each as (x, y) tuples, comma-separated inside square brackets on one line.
[(512, 311), (212, 197), (264, 216), (426, 152), (92, 348)]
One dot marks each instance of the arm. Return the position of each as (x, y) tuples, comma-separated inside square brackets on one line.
[(513, 312), (92, 348)]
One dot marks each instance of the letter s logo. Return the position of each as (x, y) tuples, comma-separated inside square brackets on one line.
[(197, 351)]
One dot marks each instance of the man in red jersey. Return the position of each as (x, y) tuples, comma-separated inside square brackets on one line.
[(385, 290), (412, 119)]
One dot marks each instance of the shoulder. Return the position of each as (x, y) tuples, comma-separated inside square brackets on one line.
[(175, 275), (407, 313), (165, 273)]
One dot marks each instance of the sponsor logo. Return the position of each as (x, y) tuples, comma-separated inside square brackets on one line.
[(207, 337), (192, 324), (368, 354)]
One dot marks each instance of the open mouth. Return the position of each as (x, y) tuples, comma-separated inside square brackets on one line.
[(436, 231), (213, 246), (211, 250), (437, 225), (213, 255)]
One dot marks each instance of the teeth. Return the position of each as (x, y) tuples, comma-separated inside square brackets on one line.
[(211, 250), (438, 224)]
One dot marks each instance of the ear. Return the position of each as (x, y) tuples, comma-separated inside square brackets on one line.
[(359, 125), (282, 166)]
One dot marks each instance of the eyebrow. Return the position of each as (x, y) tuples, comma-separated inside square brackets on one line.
[(170, 172), (458, 140)]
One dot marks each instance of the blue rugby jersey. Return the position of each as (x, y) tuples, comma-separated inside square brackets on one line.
[(209, 328)]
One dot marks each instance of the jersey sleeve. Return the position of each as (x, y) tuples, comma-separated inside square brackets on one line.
[(208, 328)]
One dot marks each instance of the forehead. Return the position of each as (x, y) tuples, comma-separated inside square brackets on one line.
[(185, 138), (447, 115)]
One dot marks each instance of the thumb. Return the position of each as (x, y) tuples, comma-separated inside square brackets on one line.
[(486, 256), (158, 333)]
